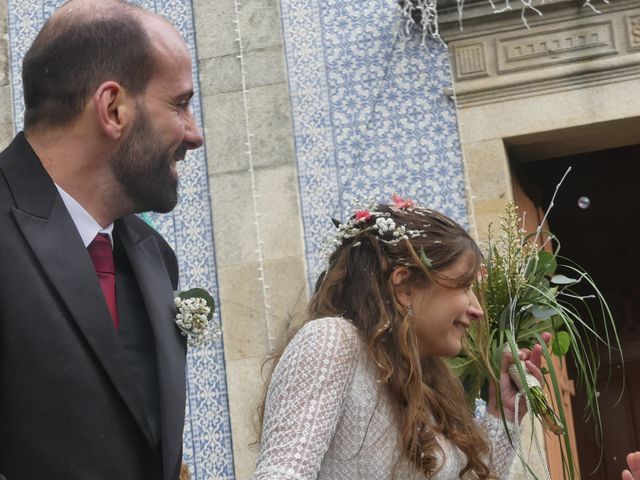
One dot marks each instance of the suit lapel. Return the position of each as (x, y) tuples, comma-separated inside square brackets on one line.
[(157, 293), (54, 239)]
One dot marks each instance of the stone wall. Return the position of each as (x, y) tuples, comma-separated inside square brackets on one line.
[(254, 193), (6, 116)]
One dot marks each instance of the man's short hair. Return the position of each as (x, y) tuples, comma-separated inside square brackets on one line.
[(74, 54)]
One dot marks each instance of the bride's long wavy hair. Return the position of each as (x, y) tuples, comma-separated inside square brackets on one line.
[(426, 398)]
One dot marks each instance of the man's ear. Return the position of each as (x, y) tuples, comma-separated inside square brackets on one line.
[(113, 106), (401, 287)]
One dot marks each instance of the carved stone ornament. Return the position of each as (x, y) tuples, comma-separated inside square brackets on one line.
[(568, 45), (633, 28)]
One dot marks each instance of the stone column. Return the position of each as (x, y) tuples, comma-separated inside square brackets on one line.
[(256, 214)]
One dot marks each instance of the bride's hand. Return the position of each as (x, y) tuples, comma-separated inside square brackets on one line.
[(508, 389)]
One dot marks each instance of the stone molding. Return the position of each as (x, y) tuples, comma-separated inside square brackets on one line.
[(496, 58), (549, 47), (566, 79), (470, 61), (633, 31)]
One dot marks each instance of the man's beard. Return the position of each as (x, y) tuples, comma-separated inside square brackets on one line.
[(143, 168)]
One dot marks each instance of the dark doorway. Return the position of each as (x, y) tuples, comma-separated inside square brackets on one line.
[(597, 220)]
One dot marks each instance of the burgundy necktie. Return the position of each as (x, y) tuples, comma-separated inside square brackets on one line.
[(101, 254)]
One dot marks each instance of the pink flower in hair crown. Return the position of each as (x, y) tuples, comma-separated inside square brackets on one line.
[(362, 215), (401, 202)]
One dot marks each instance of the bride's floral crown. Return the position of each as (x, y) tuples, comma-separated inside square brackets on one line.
[(380, 224)]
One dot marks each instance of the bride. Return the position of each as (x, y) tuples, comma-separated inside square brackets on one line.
[(362, 390)]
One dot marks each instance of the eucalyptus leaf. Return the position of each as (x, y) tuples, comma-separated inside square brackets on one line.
[(561, 344), (542, 312), (547, 263), (563, 280)]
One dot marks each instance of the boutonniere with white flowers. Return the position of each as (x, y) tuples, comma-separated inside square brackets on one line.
[(194, 317)]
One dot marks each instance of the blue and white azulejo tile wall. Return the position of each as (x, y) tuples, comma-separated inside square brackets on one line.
[(370, 113), (207, 436)]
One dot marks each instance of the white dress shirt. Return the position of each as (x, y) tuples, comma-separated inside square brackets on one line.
[(84, 222)]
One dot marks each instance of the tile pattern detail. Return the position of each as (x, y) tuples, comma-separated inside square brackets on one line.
[(370, 113), (207, 436)]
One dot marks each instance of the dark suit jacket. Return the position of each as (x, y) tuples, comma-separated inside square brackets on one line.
[(72, 405)]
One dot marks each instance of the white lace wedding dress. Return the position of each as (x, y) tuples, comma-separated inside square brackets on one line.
[(323, 419)]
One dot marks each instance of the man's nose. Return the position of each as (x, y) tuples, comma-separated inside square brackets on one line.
[(193, 137)]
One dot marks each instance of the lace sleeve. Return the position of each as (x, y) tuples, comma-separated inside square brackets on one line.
[(305, 400), (502, 452)]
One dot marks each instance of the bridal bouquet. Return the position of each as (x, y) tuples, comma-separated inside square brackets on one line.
[(523, 297)]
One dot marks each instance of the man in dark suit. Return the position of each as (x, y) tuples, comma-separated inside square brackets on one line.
[(92, 367)]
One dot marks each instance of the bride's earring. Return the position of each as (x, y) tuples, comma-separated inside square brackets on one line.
[(409, 310)]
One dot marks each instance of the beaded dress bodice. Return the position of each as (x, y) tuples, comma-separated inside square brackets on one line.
[(324, 417)]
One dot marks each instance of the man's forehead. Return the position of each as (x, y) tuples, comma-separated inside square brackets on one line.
[(174, 74), (163, 35)]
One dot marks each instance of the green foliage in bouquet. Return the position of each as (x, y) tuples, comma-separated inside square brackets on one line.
[(523, 297)]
